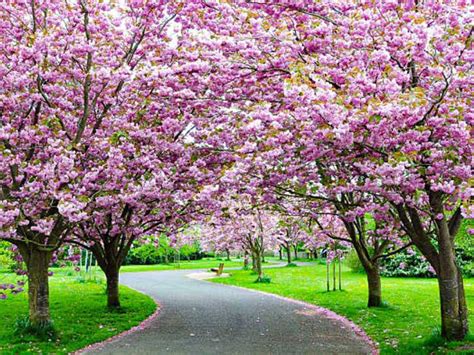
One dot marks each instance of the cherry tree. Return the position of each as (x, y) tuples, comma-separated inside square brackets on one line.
[(82, 85), (250, 228), (372, 102), (377, 95)]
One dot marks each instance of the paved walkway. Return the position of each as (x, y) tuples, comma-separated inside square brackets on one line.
[(199, 317)]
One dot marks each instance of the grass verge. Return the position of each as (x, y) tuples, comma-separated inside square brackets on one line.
[(79, 313), (408, 322)]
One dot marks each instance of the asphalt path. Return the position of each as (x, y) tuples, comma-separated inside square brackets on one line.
[(200, 317)]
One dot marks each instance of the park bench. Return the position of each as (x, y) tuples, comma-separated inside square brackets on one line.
[(218, 270)]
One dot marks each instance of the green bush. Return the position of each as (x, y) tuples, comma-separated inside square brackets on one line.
[(353, 262), (407, 263), (162, 253), (6, 256), (264, 280)]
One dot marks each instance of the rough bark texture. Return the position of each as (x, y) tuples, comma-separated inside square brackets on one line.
[(37, 262), (375, 287), (113, 295)]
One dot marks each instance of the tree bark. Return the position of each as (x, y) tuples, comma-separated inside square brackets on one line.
[(454, 321), (296, 251), (454, 318), (280, 253), (375, 286), (288, 254), (254, 262), (258, 265), (113, 295), (37, 263)]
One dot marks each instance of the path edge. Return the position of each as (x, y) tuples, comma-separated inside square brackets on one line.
[(327, 313), (143, 325)]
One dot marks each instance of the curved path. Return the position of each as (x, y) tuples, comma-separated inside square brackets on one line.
[(199, 317)]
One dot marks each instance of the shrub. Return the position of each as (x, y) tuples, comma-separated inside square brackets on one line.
[(6, 256), (353, 262), (264, 280), (46, 331), (407, 263)]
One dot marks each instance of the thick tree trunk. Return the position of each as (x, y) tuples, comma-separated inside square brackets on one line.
[(375, 286), (228, 254), (113, 296), (454, 321), (37, 263), (296, 252), (280, 253)]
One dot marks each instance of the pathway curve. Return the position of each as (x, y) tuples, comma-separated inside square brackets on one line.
[(199, 317)]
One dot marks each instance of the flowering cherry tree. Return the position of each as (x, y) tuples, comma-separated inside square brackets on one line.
[(370, 103), (250, 228), (92, 115)]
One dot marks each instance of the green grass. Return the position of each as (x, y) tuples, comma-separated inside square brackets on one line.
[(205, 263), (79, 313), (408, 323)]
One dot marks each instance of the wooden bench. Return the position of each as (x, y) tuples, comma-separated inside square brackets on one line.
[(218, 270)]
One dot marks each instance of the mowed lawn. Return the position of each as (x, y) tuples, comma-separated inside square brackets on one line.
[(79, 313), (408, 323), (205, 263)]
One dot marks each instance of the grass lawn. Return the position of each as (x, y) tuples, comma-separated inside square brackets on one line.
[(79, 313), (408, 323), (205, 263)]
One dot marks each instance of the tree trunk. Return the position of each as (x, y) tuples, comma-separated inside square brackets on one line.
[(327, 275), (228, 254), (113, 296), (258, 265), (296, 251), (375, 286), (37, 263), (246, 260), (454, 321), (280, 253), (288, 254), (254, 262)]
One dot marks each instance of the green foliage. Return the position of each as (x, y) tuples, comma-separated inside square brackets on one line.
[(353, 262), (264, 280), (291, 265), (403, 326), (151, 254), (43, 331), (187, 251), (465, 247), (406, 264), (6, 256)]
